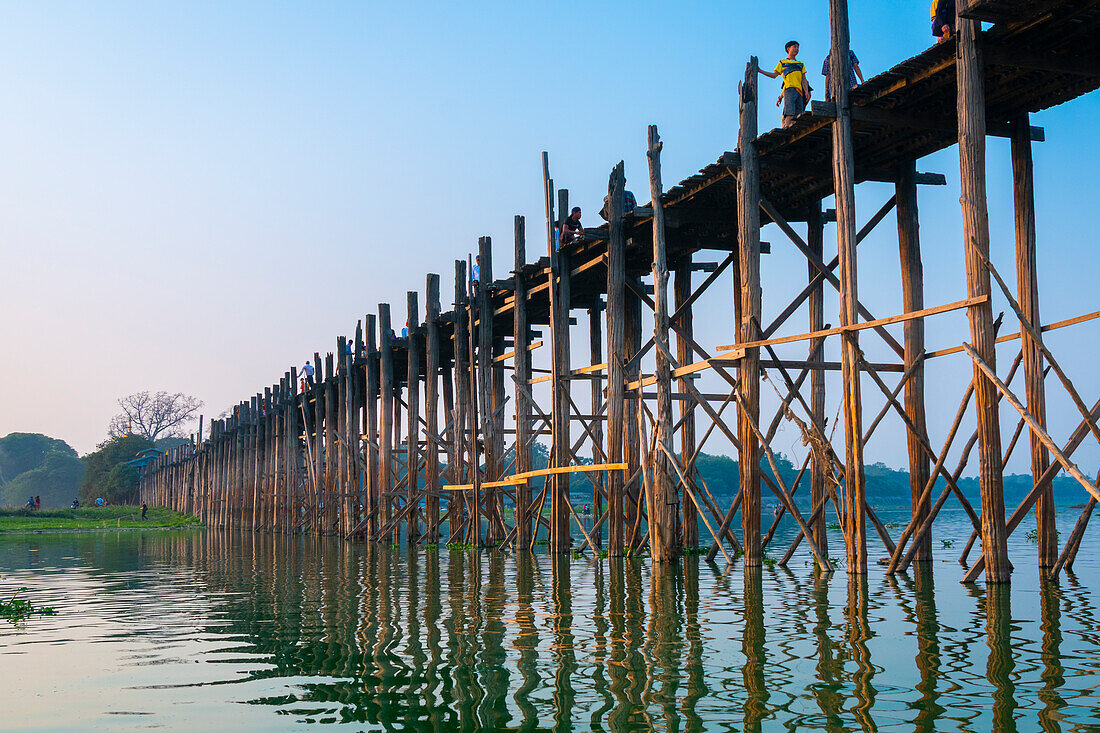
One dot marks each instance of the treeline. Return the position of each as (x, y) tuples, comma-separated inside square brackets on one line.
[(32, 464)]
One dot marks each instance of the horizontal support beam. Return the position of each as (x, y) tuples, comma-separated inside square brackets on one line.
[(1014, 336), (969, 302), (512, 354), (878, 116)]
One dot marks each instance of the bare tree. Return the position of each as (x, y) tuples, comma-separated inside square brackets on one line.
[(153, 416)]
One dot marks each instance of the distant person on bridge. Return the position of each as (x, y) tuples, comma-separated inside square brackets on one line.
[(475, 271), (796, 90), (307, 369), (943, 19), (629, 203), (571, 227), (853, 72)]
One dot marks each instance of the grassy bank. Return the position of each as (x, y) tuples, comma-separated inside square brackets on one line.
[(91, 518)]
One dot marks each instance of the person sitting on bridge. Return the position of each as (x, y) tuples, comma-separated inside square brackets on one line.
[(629, 204), (943, 19), (307, 369), (571, 227), (853, 72), (796, 90)]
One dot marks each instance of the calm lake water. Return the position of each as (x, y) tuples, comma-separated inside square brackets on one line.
[(194, 630)]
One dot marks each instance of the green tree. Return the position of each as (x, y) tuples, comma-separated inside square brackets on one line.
[(108, 473), (21, 452), (36, 465)]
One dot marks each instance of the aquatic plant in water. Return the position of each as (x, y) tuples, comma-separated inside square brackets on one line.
[(17, 609)]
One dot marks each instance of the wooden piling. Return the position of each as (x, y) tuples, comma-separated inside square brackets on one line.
[(1027, 289), (664, 514), (522, 363), (912, 295), (844, 189), (689, 523), (748, 240), (412, 437), (596, 357), (485, 390), (616, 356), (460, 431), (431, 407), (372, 479), (385, 422), (971, 116), (819, 464)]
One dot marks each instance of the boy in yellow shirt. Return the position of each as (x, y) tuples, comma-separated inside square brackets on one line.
[(796, 90)]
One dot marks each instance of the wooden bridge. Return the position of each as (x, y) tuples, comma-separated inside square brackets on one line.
[(410, 432)]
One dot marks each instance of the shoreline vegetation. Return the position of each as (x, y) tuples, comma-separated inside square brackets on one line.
[(92, 518)]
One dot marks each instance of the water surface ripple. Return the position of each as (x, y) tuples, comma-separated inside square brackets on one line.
[(213, 631)]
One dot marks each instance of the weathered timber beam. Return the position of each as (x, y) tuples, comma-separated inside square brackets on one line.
[(879, 116)]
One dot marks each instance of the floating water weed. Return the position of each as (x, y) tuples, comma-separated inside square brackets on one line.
[(18, 609)]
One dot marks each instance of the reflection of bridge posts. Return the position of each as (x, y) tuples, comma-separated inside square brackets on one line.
[(527, 640), (1053, 674), (859, 632), (663, 638), (753, 647), (562, 596), (928, 648), (696, 683), (830, 670), (1001, 663)]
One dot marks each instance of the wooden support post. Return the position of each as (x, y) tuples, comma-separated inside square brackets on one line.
[(1027, 289), (664, 513), (632, 440), (485, 390), (370, 403), (559, 348), (339, 501), (595, 352), (689, 524), (412, 438), (385, 423), (431, 406), (971, 116), (473, 528), (844, 185), (616, 357), (819, 464), (332, 451), (748, 235), (457, 504), (315, 512), (522, 363), (912, 294)]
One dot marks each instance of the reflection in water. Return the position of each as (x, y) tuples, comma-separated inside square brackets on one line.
[(307, 630), (999, 668), (753, 646)]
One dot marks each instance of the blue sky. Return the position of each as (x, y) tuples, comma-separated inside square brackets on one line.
[(196, 195)]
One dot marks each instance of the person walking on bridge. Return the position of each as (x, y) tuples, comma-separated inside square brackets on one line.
[(796, 90), (307, 369), (853, 72), (943, 19)]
